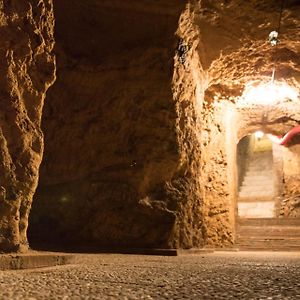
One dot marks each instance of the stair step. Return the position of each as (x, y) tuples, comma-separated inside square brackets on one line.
[(271, 239), (255, 168), (269, 243), (256, 189), (257, 183), (264, 170), (266, 186), (254, 194), (268, 221), (269, 231), (263, 248), (258, 177), (258, 199)]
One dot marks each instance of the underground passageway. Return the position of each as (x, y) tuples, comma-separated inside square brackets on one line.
[(162, 127), (149, 129), (135, 128), (256, 182), (264, 215)]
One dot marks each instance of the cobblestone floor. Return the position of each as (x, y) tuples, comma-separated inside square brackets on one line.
[(222, 275)]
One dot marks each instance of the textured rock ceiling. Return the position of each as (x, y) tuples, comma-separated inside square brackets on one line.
[(106, 28), (235, 47)]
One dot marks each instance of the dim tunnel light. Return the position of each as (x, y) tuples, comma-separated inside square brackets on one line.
[(268, 93)]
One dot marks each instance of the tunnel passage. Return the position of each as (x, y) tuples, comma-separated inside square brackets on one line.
[(140, 140), (265, 218), (256, 195)]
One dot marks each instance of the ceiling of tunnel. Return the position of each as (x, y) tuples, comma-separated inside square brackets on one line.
[(235, 50), (239, 61), (95, 30)]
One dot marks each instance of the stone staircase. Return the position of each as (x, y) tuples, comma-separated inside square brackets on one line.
[(256, 194), (258, 181), (272, 234), (257, 185), (257, 225)]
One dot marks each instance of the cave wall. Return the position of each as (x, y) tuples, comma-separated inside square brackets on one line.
[(135, 111), (138, 151), (243, 152), (27, 70), (184, 190), (219, 175), (117, 157), (290, 202)]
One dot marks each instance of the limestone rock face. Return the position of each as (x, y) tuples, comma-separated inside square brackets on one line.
[(27, 70)]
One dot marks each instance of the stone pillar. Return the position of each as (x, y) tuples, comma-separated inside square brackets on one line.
[(27, 69)]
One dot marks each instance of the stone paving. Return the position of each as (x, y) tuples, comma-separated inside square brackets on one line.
[(221, 275)]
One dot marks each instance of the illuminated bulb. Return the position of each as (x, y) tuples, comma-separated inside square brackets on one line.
[(268, 93), (259, 134)]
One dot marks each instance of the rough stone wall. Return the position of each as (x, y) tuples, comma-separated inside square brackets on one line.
[(110, 128), (189, 83), (137, 115), (290, 203), (242, 157), (27, 70), (158, 167), (218, 180)]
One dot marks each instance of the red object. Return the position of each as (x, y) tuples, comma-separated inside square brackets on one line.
[(289, 135)]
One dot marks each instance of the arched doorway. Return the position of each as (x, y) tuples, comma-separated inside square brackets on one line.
[(256, 182), (263, 221)]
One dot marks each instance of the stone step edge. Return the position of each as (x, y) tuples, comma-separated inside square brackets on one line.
[(251, 199), (24, 261), (284, 234), (269, 240), (267, 249), (277, 228), (268, 222), (35, 260)]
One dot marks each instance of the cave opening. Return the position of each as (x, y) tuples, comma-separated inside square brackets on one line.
[(267, 209)]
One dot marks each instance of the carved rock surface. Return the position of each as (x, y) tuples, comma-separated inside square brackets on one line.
[(27, 70), (142, 124), (109, 124)]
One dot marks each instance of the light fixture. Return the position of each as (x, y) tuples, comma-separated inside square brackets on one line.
[(273, 38), (267, 93), (259, 134)]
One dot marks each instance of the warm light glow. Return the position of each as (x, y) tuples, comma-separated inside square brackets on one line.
[(268, 93), (273, 138), (259, 134)]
